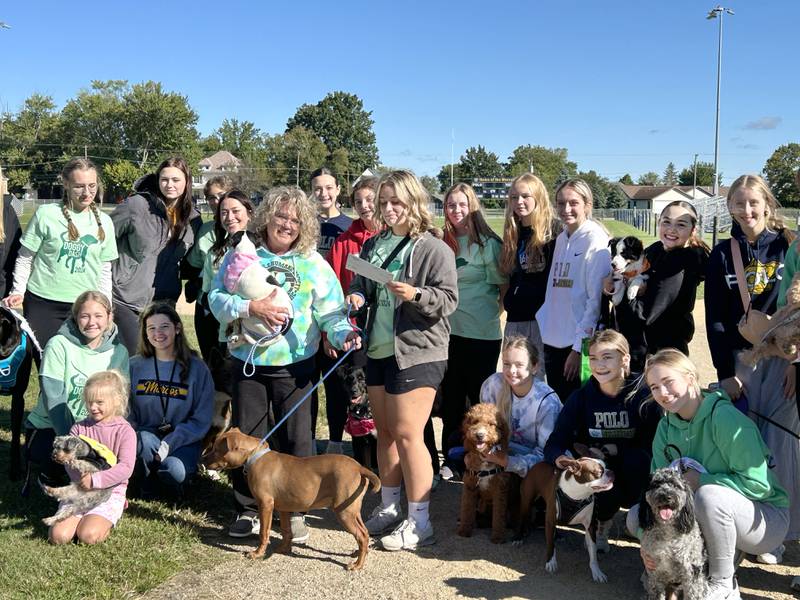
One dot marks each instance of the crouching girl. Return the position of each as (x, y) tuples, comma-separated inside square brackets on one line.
[(106, 398), (739, 504), (609, 415)]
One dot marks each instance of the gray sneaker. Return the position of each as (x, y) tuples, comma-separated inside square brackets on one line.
[(382, 520), (245, 525), (408, 536), (299, 529)]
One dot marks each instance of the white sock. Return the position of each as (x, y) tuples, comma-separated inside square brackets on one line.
[(418, 512), (390, 497)]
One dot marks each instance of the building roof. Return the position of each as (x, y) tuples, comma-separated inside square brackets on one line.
[(649, 192), (220, 160)]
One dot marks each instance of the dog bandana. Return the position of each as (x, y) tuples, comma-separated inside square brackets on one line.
[(9, 366)]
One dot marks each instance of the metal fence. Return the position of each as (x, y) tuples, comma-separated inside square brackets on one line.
[(641, 218)]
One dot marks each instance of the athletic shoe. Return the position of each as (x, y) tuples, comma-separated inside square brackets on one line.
[(245, 525), (446, 473), (382, 520), (720, 591), (601, 537), (772, 558), (408, 536), (299, 529), (796, 583)]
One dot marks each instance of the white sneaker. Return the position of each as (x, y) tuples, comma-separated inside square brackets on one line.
[(299, 528), (720, 591), (796, 583), (245, 525), (772, 558), (446, 473), (601, 537), (408, 536), (382, 520)]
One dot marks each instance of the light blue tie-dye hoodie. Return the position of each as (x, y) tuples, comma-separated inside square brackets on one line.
[(317, 300)]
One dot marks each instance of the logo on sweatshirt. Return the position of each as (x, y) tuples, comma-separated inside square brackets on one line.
[(761, 277), (75, 395), (560, 274), (75, 251), (155, 387), (461, 262), (286, 276)]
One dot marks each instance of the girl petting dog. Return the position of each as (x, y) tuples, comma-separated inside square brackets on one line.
[(609, 416), (106, 397), (739, 503)]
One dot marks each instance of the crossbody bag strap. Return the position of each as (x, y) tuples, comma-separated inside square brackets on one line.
[(738, 267), (402, 244)]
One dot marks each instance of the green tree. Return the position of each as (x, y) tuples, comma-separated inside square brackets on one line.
[(340, 121), (551, 165), (780, 170), (340, 164), (444, 176), (601, 187), (649, 178), (119, 177), (670, 175), (430, 183), (94, 120), (705, 175), (477, 162), (626, 179), (296, 149), (615, 198), (240, 138)]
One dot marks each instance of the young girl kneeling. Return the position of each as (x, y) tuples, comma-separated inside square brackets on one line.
[(106, 398), (609, 415)]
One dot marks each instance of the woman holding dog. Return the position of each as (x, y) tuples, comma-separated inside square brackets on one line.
[(608, 415), (571, 309), (407, 352), (739, 503), (475, 325), (86, 343), (71, 243), (281, 373), (155, 228), (757, 249), (172, 401)]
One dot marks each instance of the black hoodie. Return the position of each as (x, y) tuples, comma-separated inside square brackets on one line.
[(763, 269), (526, 290)]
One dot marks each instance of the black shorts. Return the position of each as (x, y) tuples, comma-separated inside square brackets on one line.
[(385, 372)]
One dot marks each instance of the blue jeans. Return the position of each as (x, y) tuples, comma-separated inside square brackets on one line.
[(174, 469)]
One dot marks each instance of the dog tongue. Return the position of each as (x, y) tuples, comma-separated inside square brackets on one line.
[(665, 513)]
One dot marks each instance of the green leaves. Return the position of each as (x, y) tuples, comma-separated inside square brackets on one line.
[(781, 171)]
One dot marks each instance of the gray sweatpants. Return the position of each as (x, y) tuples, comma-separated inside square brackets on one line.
[(730, 522)]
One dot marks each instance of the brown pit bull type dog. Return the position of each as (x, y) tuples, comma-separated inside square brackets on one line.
[(289, 484), (568, 490)]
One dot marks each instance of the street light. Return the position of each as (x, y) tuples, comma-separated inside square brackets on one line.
[(718, 12)]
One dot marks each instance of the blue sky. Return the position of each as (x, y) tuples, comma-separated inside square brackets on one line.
[(624, 86)]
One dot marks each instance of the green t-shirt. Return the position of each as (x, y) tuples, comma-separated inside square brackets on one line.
[(479, 279), (205, 239), (381, 338), (63, 269)]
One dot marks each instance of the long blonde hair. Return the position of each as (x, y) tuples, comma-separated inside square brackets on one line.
[(412, 194), (756, 183), (477, 227), (514, 342), (542, 230)]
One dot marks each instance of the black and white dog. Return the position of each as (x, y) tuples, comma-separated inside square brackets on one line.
[(628, 264)]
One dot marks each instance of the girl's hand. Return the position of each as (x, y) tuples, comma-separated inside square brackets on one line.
[(692, 478), (402, 290), (572, 366), (732, 386), (86, 481), (649, 561), (328, 348), (12, 301), (608, 285), (355, 300), (353, 340), (269, 311), (497, 458), (642, 289), (790, 382)]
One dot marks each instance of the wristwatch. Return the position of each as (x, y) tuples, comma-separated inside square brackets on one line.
[(418, 295)]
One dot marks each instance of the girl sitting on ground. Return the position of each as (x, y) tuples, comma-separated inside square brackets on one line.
[(738, 501), (609, 415), (106, 397)]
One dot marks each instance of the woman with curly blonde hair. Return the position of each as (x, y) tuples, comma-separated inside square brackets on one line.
[(286, 223), (407, 353), (528, 242)]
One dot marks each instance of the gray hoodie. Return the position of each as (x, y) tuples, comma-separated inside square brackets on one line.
[(422, 331)]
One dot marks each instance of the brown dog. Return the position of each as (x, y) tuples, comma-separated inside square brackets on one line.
[(568, 491), (486, 485), (289, 484)]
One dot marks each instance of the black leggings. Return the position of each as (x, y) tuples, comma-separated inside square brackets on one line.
[(631, 475), (45, 317), (207, 329), (554, 359), (127, 321)]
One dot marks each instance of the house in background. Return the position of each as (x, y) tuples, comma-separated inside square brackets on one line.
[(656, 197), (219, 163)]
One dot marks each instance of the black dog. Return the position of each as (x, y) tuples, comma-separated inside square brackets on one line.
[(18, 347), (360, 424)]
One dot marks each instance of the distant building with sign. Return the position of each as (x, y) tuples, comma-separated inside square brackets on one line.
[(492, 190)]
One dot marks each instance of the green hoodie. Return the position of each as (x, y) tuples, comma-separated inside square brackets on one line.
[(727, 444), (66, 365)]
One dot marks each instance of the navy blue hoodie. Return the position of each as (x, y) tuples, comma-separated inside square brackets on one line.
[(763, 269)]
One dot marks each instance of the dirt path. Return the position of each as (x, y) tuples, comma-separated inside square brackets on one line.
[(453, 568)]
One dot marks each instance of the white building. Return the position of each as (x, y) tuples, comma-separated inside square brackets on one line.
[(219, 163)]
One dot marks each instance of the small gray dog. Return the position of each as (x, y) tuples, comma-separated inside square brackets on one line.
[(672, 537), (72, 451)]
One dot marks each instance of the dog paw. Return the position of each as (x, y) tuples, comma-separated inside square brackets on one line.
[(254, 555), (50, 521), (354, 566), (551, 566), (516, 543), (464, 532), (284, 549), (598, 575)]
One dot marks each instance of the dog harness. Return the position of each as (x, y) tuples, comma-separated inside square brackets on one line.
[(485, 473), (9, 366), (568, 509), (99, 454)]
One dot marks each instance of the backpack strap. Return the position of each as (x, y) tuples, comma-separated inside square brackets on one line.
[(738, 267)]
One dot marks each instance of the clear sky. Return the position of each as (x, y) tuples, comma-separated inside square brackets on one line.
[(624, 86)]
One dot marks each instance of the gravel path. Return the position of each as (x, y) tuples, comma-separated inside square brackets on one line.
[(452, 568)]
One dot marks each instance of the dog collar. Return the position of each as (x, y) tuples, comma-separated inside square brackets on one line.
[(486, 473), (253, 458)]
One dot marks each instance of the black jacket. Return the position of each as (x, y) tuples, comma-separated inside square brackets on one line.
[(526, 291), (9, 247)]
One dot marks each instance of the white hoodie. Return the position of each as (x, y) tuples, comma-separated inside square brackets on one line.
[(580, 263)]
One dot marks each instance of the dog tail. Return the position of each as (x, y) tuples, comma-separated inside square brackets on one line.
[(374, 481)]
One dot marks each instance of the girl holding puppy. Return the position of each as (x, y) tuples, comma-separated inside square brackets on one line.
[(738, 501), (106, 397), (610, 417)]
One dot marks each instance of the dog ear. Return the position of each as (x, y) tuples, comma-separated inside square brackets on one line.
[(685, 519), (646, 517), (568, 464), (502, 426)]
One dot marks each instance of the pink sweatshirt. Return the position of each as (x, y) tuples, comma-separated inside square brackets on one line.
[(118, 435)]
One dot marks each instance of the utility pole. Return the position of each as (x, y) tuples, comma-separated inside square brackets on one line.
[(717, 13), (452, 150), (297, 170), (85, 151), (694, 184)]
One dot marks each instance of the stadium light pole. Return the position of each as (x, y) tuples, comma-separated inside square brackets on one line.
[(717, 13)]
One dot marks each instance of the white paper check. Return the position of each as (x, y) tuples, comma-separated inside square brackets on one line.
[(362, 267)]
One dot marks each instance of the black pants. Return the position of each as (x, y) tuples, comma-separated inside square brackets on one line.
[(336, 397), (39, 452), (554, 359), (631, 475), (127, 321), (207, 329), (45, 317), (277, 389), (470, 362)]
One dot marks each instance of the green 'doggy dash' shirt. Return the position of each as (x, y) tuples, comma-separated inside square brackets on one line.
[(381, 337), (479, 279), (64, 269)]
